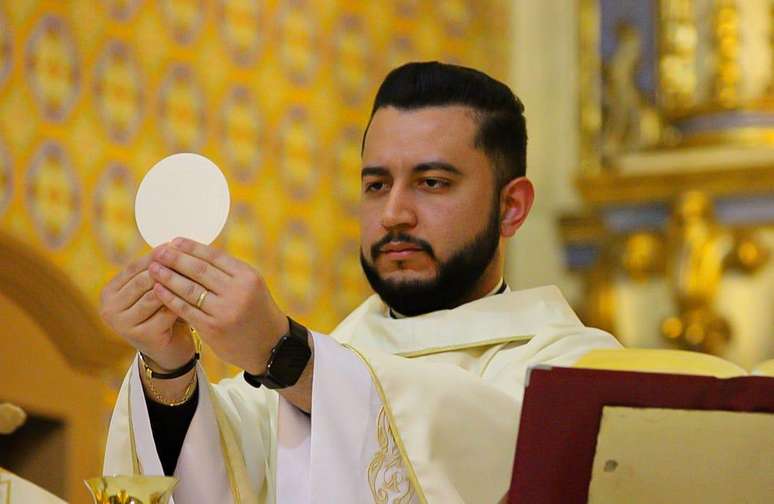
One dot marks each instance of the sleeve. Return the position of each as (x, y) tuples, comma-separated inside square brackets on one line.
[(132, 447)]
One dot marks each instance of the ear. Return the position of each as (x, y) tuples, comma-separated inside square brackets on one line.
[(515, 203)]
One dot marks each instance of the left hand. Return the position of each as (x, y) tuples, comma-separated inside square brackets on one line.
[(238, 318)]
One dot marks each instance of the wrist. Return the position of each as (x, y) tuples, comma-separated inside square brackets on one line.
[(287, 360), (278, 329), (174, 392)]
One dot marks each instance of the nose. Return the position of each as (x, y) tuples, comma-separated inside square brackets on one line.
[(399, 211)]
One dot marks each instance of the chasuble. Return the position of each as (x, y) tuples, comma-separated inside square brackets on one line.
[(415, 410)]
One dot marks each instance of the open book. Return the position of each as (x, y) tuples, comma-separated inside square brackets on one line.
[(651, 425), (669, 361)]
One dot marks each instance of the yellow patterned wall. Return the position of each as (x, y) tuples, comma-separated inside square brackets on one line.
[(93, 93)]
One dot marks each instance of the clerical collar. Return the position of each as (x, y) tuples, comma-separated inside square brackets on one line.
[(501, 287)]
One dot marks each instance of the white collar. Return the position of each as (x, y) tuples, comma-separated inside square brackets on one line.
[(514, 315)]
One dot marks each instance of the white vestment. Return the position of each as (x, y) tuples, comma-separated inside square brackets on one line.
[(16, 490), (421, 409)]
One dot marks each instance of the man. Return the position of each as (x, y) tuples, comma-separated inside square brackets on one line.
[(415, 396)]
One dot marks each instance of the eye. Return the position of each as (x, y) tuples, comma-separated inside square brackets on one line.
[(435, 184), (373, 186)]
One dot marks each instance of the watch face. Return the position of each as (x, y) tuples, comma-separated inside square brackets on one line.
[(289, 360)]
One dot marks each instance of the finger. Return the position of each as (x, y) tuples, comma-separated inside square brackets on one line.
[(134, 290), (183, 287), (218, 258), (142, 310), (128, 273), (181, 308), (200, 271), (160, 322)]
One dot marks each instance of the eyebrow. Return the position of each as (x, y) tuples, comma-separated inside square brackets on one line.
[(420, 168)]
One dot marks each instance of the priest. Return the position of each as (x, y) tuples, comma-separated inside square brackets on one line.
[(415, 397)]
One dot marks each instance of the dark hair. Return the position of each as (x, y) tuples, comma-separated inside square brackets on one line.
[(502, 132)]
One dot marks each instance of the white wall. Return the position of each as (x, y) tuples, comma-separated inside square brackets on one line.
[(544, 75)]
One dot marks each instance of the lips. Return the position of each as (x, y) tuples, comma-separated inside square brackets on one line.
[(400, 247)]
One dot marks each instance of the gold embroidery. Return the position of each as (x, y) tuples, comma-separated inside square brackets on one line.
[(386, 475)]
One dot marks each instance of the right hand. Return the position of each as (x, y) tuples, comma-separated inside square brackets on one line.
[(130, 307)]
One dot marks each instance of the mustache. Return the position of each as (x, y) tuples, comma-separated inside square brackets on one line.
[(400, 237)]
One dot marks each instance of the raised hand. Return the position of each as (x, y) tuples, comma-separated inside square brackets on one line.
[(224, 299), (132, 309)]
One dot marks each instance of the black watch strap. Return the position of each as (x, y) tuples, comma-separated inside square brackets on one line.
[(175, 373), (287, 360)]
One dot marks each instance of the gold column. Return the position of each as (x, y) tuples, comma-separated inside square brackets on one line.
[(678, 40), (726, 39)]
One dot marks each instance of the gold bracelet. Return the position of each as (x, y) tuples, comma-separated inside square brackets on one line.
[(157, 397), (190, 388)]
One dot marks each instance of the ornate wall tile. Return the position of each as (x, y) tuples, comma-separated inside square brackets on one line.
[(6, 48), (241, 27), (298, 152), (119, 91), (53, 68), (241, 133), (114, 213), (184, 19), (6, 178), (53, 194), (298, 39), (182, 110)]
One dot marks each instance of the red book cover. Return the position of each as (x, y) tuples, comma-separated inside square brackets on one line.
[(562, 411)]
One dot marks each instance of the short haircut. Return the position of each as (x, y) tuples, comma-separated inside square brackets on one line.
[(502, 131)]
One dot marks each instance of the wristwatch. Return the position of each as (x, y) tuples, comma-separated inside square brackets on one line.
[(287, 360)]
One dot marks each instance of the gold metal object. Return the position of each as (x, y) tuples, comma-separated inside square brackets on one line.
[(693, 254), (614, 188), (642, 256), (699, 251), (189, 390), (200, 300), (136, 489), (726, 41), (676, 68), (197, 340)]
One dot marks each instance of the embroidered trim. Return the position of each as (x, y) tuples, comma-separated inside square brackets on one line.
[(136, 468), (396, 435), (386, 475), (226, 447)]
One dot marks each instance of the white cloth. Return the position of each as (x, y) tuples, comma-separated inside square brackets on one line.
[(16, 490)]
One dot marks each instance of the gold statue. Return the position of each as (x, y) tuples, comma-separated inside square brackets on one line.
[(631, 123)]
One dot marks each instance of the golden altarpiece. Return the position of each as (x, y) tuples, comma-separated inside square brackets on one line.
[(677, 174)]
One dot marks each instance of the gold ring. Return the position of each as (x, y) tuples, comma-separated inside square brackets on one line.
[(200, 301)]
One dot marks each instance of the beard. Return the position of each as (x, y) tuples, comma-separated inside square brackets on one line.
[(455, 281)]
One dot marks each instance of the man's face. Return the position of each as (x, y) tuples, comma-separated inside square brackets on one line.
[(429, 216)]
